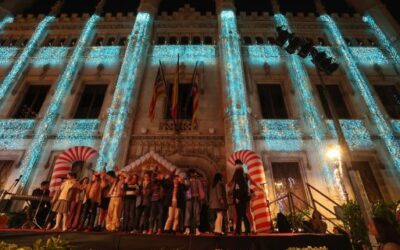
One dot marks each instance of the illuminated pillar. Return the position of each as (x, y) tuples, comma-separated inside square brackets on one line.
[(5, 21), (238, 135), (21, 63), (127, 87), (362, 86), (310, 114), (61, 91)]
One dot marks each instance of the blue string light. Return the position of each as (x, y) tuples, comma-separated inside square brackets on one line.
[(189, 54), (281, 135), (14, 132), (396, 126), (54, 56), (62, 88), (106, 55), (14, 76), (236, 99), (382, 38), (125, 90), (261, 54), (5, 21), (78, 132), (368, 56), (7, 55), (360, 83), (355, 133)]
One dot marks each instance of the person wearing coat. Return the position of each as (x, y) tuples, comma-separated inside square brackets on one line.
[(218, 201), (175, 201)]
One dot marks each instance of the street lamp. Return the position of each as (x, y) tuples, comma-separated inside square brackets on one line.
[(334, 155)]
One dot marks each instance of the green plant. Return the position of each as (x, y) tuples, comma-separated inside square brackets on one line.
[(353, 220), (385, 210), (52, 243)]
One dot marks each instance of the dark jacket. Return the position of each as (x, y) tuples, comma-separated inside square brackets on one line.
[(169, 189)]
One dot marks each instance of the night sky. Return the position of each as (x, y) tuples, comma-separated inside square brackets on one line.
[(124, 6)]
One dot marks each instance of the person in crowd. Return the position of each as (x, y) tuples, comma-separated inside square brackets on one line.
[(386, 234), (78, 197), (40, 209), (131, 190), (194, 197), (115, 205), (282, 223), (156, 209), (89, 212), (61, 201), (105, 198), (218, 202), (143, 202), (241, 197), (175, 200), (317, 224)]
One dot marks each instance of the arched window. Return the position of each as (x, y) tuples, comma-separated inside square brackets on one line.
[(321, 41), (122, 41), (173, 40), (184, 40), (247, 40), (73, 42), (161, 40), (99, 41), (61, 42), (348, 41), (111, 41), (271, 40), (259, 40), (371, 42), (360, 42), (208, 40), (196, 40)]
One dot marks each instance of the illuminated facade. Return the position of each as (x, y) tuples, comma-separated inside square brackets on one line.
[(236, 59)]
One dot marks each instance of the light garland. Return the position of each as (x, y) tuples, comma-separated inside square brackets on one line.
[(261, 54), (7, 55), (78, 132), (236, 98), (62, 88), (355, 133), (106, 55), (396, 126), (382, 38), (54, 56), (15, 74), (360, 83), (5, 21), (368, 56), (126, 89), (189, 54), (281, 135), (13, 132)]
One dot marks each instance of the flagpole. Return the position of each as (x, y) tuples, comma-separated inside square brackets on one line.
[(191, 90)]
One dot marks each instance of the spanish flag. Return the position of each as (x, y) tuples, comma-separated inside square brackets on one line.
[(175, 94), (158, 90)]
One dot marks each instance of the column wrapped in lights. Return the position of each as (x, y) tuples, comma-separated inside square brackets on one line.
[(311, 115), (236, 112), (126, 88), (361, 85), (5, 21), (14, 75), (384, 41), (62, 88)]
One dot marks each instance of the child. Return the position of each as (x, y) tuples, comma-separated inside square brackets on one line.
[(61, 201)]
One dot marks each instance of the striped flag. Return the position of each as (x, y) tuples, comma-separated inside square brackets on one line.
[(195, 95), (175, 94), (158, 90)]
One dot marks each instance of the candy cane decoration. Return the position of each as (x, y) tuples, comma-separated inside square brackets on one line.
[(259, 204), (64, 163)]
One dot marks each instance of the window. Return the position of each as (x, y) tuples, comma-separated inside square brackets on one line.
[(247, 40), (32, 102), (91, 101), (272, 101), (208, 40), (390, 98), (99, 41), (259, 40), (368, 180), (5, 170), (360, 42), (111, 41), (161, 40), (348, 41), (61, 42), (287, 178), (184, 40), (337, 101), (173, 40), (122, 41), (321, 41), (271, 40), (185, 102), (73, 42), (196, 40)]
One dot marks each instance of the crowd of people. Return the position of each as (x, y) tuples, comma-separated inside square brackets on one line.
[(154, 203)]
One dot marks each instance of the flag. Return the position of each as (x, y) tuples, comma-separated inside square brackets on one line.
[(175, 93), (195, 95), (158, 90)]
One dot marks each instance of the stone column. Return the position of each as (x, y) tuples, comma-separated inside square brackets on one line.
[(238, 135), (127, 88), (61, 91), (21, 63)]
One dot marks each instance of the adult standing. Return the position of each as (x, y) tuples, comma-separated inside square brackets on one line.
[(218, 202)]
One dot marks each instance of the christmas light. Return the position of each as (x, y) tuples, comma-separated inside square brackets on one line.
[(15, 74), (188, 54), (236, 98), (106, 55), (125, 90), (14, 132), (396, 126), (7, 55), (382, 38), (361, 85), (368, 56), (54, 56), (261, 54), (5, 21), (62, 89), (77, 133), (355, 133), (281, 135)]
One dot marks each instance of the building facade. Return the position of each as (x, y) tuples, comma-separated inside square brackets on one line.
[(72, 79)]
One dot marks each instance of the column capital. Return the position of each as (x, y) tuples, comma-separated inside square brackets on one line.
[(150, 6), (224, 4)]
